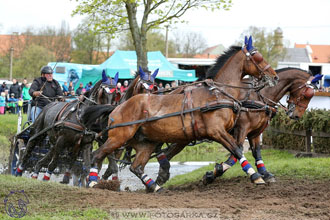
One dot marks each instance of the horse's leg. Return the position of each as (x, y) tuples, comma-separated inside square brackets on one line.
[(44, 161), (27, 154), (256, 151), (59, 145), (112, 168), (143, 152), (222, 136), (239, 133), (164, 164)]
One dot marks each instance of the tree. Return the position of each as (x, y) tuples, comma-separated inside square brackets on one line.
[(90, 47), (31, 61), (189, 44), (156, 42), (269, 44), (114, 16)]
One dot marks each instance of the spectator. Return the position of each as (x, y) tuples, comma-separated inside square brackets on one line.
[(160, 88), (26, 97), (79, 90), (12, 104), (89, 86), (118, 88), (6, 97), (124, 87), (65, 88), (23, 84), (2, 103), (70, 87), (3, 87), (167, 86), (173, 84), (16, 89)]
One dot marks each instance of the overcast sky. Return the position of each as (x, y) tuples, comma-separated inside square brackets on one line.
[(302, 21)]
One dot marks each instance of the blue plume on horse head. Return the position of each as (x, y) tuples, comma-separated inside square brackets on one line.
[(105, 79), (142, 73), (317, 78), (245, 40), (249, 45), (153, 76), (115, 79)]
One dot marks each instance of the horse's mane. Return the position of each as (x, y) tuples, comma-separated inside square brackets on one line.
[(221, 60), (129, 92), (95, 88), (293, 68)]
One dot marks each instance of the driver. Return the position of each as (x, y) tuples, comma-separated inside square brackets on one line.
[(42, 90)]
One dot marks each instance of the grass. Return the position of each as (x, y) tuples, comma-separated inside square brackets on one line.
[(8, 125), (280, 163), (44, 203)]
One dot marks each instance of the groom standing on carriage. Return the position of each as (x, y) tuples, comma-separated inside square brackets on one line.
[(42, 90)]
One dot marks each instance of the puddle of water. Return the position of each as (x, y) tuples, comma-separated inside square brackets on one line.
[(128, 179)]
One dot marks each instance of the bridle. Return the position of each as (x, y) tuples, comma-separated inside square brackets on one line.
[(256, 59), (307, 91)]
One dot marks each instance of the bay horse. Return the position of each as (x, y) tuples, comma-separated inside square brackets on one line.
[(261, 107), (60, 121), (151, 118), (144, 82)]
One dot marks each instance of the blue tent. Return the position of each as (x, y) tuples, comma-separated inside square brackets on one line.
[(125, 62)]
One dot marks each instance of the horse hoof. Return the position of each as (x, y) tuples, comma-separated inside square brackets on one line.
[(92, 184), (160, 190), (259, 181), (256, 178), (269, 178), (208, 178)]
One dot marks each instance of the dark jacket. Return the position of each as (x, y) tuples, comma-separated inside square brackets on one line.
[(16, 89), (3, 88), (50, 89), (79, 90)]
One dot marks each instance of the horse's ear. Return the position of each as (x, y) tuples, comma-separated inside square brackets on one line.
[(249, 45), (142, 74), (316, 78), (105, 79), (116, 78), (153, 76), (245, 40)]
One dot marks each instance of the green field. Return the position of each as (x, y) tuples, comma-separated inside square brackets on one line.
[(62, 202)]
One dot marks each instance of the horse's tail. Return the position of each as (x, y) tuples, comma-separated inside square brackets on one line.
[(92, 113)]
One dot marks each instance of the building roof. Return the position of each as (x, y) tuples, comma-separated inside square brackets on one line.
[(211, 52), (319, 53), (299, 55)]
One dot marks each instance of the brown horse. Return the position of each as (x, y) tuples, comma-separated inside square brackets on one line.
[(255, 119), (144, 82), (214, 115)]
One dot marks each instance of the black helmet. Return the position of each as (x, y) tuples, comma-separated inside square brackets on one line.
[(46, 70)]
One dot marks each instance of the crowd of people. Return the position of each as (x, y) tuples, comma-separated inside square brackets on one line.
[(17, 96)]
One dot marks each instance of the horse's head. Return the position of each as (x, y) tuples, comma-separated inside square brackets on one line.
[(146, 83), (300, 96), (255, 65), (104, 92)]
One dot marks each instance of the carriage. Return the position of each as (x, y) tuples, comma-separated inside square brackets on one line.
[(18, 147)]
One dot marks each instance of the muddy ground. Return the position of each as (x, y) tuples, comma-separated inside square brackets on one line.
[(235, 198)]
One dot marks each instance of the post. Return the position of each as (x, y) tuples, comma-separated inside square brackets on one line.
[(308, 141), (166, 42), (11, 64)]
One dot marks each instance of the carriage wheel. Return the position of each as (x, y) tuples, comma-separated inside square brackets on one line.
[(15, 155)]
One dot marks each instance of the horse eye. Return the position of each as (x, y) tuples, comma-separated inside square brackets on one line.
[(257, 57)]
